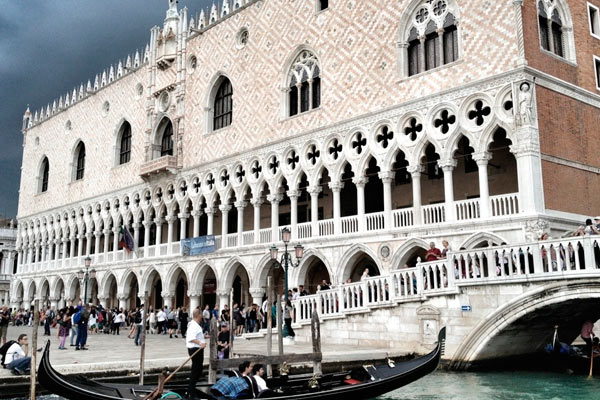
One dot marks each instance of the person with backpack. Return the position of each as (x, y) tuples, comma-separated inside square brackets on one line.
[(49, 317), (81, 319), (14, 357)]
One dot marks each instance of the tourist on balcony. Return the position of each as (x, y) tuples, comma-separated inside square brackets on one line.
[(433, 254), (4, 321), (302, 291), (446, 248), (325, 285), (365, 274), (590, 228)]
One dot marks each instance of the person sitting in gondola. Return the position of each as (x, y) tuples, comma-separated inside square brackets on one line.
[(233, 387), (587, 334), (258, 371)]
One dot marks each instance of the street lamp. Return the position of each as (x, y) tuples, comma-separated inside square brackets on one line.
[(286, 257), (84, 277)]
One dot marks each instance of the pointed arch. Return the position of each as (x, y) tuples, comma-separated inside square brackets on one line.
[(478, 237), (173, 274), (299, 274), (58, 288), (351, 255), (301, 82), (199, 273), (221, 87), (229, 270), (122, 142), (146, 282), (43, 175), (106, 283), (78, 155), (403, 252)]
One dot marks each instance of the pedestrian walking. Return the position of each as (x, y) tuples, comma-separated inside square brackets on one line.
[(74, 329), (64, 326), (195, 340), (139, 325), (82, 327), (48, 318), (183, 319)]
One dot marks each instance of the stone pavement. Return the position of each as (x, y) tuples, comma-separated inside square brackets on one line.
[(118, 353)]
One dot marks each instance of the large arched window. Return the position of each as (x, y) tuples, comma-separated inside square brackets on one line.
[(556, 29), (223, 106), (125, 143), (166, 141), (43, 176), (80, 161), (304, 84), (430, 37)]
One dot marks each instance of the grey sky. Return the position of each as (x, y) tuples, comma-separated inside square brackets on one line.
[(47, 47)]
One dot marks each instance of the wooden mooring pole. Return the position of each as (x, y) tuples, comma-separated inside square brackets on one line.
[(143, 338), (231, 332), (33, 348), (212, 355), (279, 318), (315, 329)]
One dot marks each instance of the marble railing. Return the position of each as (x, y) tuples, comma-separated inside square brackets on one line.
[(570, 258)]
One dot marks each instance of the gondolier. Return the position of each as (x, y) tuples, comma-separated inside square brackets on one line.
[(194, 340)]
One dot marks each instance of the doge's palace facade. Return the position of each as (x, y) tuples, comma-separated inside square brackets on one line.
[(368, 128)]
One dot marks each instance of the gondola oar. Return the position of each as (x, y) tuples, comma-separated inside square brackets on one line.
[(592, 361), (162, 382)]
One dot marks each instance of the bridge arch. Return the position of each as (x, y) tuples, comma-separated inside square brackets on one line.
[(313, 268), (479, 238), (527, 322), (355, 260), (408, 253)]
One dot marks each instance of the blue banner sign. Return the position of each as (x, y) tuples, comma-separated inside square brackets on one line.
[(198, 245), (466, 308)]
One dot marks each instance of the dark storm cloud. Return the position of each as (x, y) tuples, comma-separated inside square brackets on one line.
[(47, 47)]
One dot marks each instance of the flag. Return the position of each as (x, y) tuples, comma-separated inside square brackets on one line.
[(126, 241)]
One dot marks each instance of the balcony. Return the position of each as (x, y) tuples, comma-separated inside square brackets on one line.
[(165, 164), (402, 220)]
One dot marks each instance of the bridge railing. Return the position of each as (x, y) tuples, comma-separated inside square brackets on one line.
[(553, 259)]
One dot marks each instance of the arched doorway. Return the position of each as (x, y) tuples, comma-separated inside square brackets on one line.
[(316, 272), (154, 288), (357, 265), (412, 256), (179, 286), (131, 291), (45, 294), (112, 301), (241, 285)]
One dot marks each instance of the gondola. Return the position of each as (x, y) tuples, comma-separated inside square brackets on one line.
[(360, 383)]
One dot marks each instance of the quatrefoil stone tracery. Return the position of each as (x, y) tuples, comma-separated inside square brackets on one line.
[(240, 173), (256, 169), (413, 129), (335, 149), (313, 154), (479, 113), (274, 165), (293, 160), (359, 143), (445, 121), (385, 137)]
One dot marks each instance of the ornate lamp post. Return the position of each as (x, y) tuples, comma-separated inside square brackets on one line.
[(286, 257), (85, 276)]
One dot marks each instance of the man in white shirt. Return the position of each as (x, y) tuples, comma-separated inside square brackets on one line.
[(195, 344), (161, 317), (16, 358), (257, 372)]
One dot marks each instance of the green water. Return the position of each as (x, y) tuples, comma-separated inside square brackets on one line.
[(492, 386)]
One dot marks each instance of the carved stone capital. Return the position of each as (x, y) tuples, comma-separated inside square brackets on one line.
[(315, 190), (240, 204), (447, 165), (360, 181), (275, 198), (225, 208), (415, 170), (482, 158), (336, 186), (293, 194)]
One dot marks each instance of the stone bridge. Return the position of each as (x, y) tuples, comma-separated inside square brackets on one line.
[(496, 302)]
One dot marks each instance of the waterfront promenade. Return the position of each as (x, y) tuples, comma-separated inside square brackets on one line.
[(117, 355)]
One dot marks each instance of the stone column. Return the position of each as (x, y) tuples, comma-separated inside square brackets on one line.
[(415, 174), (196, 214), (194, 301), (293, 195), (167, 299), (53, 303), (116, 233), (30, 253), (106, 239), (72, 249), (422, 54), (314, 209), (37, 252), (225, 208), (147, 226), (448, 167), (223, 296), (183, 219), (482, 159), (88, 243), (336, 188), (387, 177), (79, 245), (240, 205), (136, 234), (274, 199), (210, 213), (19, 258), (123, 301), (360, 182), (9, 262), (158, 222), (171, 221), (257, 295), (257, 203), (97, 234), (529, 169), (64, 252)]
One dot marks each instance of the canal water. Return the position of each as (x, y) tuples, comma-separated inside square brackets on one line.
[(442, 385)]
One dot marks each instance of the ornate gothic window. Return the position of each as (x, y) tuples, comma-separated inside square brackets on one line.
[(44, 173), (166, 141), (431, 37), (556, 29), (304, 84), (223, 106), (80, 161), (125, 143)]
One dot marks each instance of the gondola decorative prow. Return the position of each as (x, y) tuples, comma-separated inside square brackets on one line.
[(442, 340)]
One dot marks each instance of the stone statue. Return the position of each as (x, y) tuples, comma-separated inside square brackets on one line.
[(525, 104)]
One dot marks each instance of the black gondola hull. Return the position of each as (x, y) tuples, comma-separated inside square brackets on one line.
[(384, 379)]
